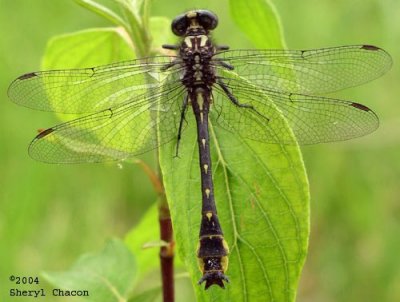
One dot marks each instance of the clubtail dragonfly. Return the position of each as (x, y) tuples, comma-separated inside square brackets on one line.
[(135, 106)]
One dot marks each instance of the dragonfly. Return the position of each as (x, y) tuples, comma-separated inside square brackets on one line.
[(132, 107)]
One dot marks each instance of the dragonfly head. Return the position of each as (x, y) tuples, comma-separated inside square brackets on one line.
[(196, 22)]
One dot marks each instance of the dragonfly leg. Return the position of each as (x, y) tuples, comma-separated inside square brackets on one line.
[(233, 99), (231, 96), (169, 65), (183, 112), (221, 47), (170, 46), (223, 63)]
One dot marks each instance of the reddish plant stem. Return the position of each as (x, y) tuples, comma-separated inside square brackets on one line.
[(166, 252)]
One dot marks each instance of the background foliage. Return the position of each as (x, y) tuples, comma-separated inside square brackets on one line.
[(46, 221)]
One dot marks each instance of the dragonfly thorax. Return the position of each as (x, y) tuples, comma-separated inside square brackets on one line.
[(196, 53)]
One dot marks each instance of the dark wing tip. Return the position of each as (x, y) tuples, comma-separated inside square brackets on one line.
[(388, 61), (43, 133), (360, 106), (12, 92), (370, 47), (27, 76)]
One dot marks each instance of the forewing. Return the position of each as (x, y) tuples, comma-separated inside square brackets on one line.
[(312, 119), (307, 71), (90, 89), (116, 133)]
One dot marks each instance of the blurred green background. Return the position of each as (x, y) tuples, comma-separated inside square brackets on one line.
[(51, 214)]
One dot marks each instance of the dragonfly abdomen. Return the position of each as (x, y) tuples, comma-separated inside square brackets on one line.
[(213, 250)]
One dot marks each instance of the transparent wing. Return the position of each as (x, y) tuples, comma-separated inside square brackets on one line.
[(263, 123), (312, 119), (307, 71), (90, 89), (116, 133)]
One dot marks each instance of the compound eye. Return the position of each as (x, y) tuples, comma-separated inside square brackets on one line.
[(207, 19), (179, 25)]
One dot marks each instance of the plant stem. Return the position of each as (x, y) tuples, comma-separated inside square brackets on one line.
[(166, 252)]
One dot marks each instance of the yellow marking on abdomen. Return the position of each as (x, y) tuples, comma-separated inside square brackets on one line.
[(209, 215), (225, 245), (203, 141), (205, 169), (207, 191), (200, 102), (224, 263), (213, 236)]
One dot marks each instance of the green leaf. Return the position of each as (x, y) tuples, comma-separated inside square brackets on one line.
[(183, 292), (102, 11), (146, 231), (88, 48), (108, 275), (100, 46), (160, 28), (152, 295), (136, 14), (259, 20)]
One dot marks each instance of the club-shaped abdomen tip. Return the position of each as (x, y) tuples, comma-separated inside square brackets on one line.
[(214, 278), (213, 260)]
